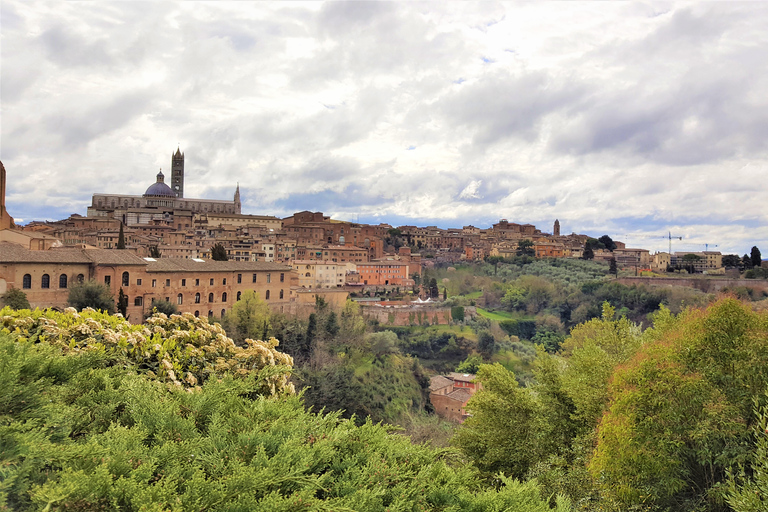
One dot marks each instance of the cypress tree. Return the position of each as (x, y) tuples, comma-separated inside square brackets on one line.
[(121, 238)]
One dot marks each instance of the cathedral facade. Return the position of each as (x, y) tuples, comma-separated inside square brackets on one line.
[(160, 202)]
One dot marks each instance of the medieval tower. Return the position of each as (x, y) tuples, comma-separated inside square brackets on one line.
[(177, 173), (556, 229)]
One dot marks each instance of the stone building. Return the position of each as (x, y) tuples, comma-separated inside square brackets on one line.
[(449, 395), (160, 203), (201, 287)]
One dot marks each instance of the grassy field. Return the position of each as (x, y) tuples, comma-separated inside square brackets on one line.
[(495, 315)]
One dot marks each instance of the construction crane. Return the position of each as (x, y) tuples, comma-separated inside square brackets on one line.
[(706, 246), (667, 236)]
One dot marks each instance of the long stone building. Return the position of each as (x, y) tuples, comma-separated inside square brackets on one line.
[(202, 287)]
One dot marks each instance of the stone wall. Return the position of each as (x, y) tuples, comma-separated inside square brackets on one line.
[(413, 315)]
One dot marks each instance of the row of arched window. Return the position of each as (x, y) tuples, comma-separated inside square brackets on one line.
[(224, 297), (210, 313), (45, 281)]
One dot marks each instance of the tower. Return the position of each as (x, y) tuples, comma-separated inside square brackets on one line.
[(6, 221), (177, 173), (556, 229), (237, 199)]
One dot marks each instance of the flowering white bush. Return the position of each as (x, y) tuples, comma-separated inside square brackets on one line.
[(183, 350)]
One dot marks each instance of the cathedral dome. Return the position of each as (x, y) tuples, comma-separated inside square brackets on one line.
[(159, 189)]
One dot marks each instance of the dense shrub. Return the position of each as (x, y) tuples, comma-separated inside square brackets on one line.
[(78, 431), (183, 349)]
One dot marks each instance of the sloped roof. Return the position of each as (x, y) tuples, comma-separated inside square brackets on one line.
[(439, 382), (460, 395), (462, 377), (15, 253), (113, 257)]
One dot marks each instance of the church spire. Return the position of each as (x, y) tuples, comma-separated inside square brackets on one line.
[(237, 199)]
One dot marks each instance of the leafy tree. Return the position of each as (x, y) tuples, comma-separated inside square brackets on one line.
[(516, 298), (747, 488), (494, 260), (486, 343), (248, 318), (121, 238), (731, 260), (433, 290), (595, 243), (15, 299), (163, 306), (154, 251), (501, 434), (331, 326), (690, 257), (607, 242), (122, 303), (525, 248), (219, 253), (470, 365), (755, 257), (588, 253), (457, 313), (91, 294), (680, 411)]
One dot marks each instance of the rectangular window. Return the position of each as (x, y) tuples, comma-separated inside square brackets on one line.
[(167, 282), (107, 280), (269, 278), (282, 277), (183, 282), (254, 278), (154, 283), (224, 281), (197, 282), (138, 282), (211, 281), (239, 278)]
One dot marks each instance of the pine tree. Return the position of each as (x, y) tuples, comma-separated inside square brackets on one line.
[(614, 269), (756, 257), (219, 253)]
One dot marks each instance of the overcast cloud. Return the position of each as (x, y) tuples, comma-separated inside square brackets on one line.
[(629, 119)]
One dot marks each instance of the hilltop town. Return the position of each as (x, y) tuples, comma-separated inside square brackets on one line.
[(201, 254)]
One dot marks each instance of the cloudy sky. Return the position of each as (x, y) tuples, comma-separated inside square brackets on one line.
[(631, 119)]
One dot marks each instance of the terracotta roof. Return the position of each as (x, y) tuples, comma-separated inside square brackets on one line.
[(113, 257), (439, 382), (463, 377), (186, 265), (460, 395), (15, 253)]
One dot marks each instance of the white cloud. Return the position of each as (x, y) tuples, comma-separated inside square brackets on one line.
[(611, 117), (471, 190)]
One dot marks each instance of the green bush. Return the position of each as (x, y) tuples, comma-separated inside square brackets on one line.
[(80, 432), (182, 350)]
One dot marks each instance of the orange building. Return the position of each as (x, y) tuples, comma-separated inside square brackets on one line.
[(545, 249), (384, 273)]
